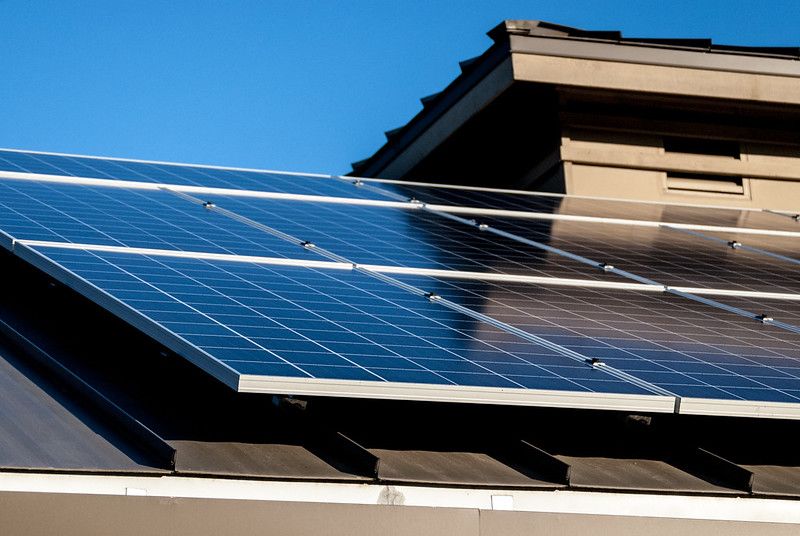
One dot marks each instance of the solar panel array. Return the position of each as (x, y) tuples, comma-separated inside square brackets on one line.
[(317, 285)]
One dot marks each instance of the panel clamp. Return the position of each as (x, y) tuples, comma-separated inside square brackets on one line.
[(432, 296), (358, 182), (482, 226), (595, 362), (764, 318), (209, 204), (606, 267), (308, 244), (733, 244)]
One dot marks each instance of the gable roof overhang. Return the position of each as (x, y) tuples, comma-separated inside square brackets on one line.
[(549, 55)]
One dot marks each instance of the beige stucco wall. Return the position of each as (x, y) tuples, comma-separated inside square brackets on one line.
[(634, 166), (40, 514), (656, 79)]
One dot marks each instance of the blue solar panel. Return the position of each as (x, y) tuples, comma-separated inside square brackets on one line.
[(101, 168), (132, 218), (688, 348), (341, 325), (363, 234), (166, 173), (405, 237), (314, 325)]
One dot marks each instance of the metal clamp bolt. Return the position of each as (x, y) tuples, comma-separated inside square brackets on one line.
[(308, 244), (606, 267), (764, 318), (208, 204), (733, 244)]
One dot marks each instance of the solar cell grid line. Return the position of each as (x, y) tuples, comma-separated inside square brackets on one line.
[(564, 204), (491, 348), (96, 215), (397, 237), (155, 172), (692, 351)]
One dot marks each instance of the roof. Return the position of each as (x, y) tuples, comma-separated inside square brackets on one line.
[(331, 440), (92, 393), (554, 40), (538, 28)]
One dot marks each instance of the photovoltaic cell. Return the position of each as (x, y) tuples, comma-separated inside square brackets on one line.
[(666, 256), (305, 323), (132, 218), (77, 166), (688, 348)]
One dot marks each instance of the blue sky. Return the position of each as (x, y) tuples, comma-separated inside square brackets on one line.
[(299, 86)]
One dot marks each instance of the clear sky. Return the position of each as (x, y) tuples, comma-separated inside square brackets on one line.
[(293, 85)]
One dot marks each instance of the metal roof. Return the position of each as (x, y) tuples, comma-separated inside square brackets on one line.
[(58, 428)]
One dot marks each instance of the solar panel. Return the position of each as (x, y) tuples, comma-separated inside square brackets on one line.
[(273, 324), (690, 349), (559, 205), (410, 238), (322, 185), (670, 257), (132, 218), (187, 175), (393, 297)]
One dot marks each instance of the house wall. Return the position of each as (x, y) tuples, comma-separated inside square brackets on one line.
[(34, 514), (637, 166)]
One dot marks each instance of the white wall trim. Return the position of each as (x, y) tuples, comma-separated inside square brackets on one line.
[(560, 501)]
